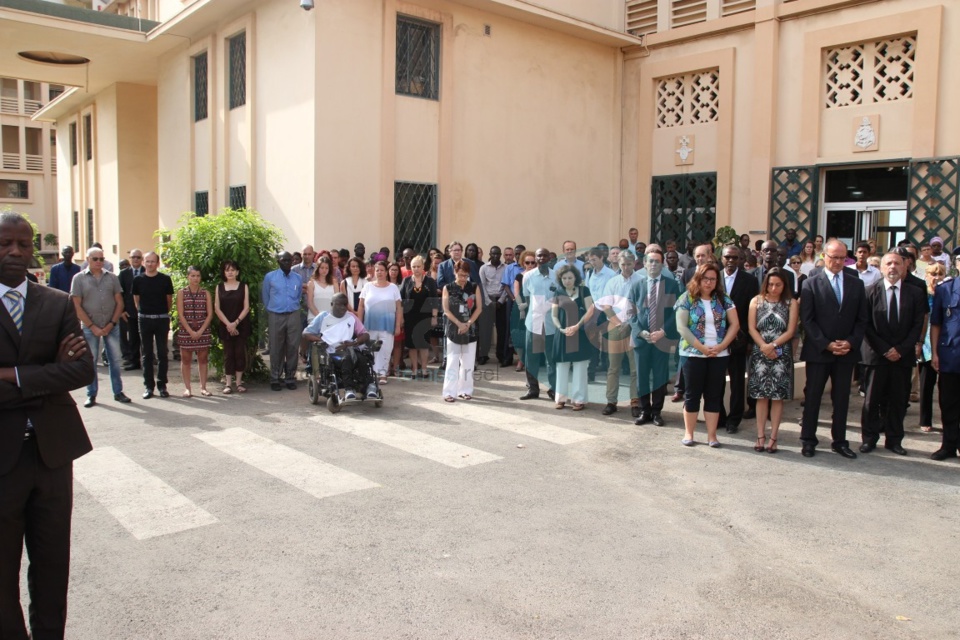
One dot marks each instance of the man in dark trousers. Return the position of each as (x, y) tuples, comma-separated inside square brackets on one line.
[(742, 287), (43, 356), (129, 325), (654, 334), (153, 296), (833, 310), (896, 312)]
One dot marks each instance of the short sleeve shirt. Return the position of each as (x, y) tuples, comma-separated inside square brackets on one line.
[(97, 295)]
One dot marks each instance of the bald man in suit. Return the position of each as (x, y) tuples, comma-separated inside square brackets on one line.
[(43, 356)]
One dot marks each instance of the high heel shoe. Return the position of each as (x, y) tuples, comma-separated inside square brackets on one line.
[(760, 443), (773, 446)]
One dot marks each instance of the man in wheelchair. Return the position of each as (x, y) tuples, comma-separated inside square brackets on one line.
[(344, 337)]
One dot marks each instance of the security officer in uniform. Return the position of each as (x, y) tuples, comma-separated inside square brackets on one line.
[(945, 341)]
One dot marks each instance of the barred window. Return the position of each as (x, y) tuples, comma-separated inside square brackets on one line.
[(73, 143), (90, 236), (201, 203), (15, 189), (76, 229), (238, 197), (88, 136), (693, 98), (869, 72), (415, 215), (418, 58), (200, 87), (238, 70)]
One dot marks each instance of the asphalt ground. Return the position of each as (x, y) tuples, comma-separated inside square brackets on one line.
[(495, 518)]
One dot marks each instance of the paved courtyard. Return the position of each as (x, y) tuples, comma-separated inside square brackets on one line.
[(262, 516)]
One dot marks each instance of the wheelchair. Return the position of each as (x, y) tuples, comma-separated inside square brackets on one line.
[(327, 379)]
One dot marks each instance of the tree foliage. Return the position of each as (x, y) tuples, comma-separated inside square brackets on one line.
[(206, 242)]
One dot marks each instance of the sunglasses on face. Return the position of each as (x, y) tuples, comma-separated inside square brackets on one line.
[(530, 262), (96, 259)]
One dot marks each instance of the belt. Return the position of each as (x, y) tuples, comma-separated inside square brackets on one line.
[(28, 434), (159, 316), (284, 313)]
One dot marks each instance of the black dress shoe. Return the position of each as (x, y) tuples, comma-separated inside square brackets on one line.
[(276, 386), (483, 360), (530, 395), (292, 386), (592, 378), (867, 447), (645, 418), (121, 397), (163, 393), (897, 449), (943, 453), (147, 394), (635, 411), (844, 451), (657, 420), (131, 367), (91, 401), (609, 409), (732, 428), (808, 451), (551, 394), (749, 415)]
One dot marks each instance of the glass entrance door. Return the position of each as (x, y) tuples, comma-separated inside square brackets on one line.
[(883, 222)]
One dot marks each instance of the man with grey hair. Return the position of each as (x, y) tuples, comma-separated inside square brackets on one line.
[(98, 299), (619, 310)]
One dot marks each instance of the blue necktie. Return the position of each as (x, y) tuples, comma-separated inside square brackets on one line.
[(836, 287), (16, 309)]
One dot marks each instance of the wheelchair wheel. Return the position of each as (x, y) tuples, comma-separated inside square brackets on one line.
[(379, 401), (333, 404), (314, 391)]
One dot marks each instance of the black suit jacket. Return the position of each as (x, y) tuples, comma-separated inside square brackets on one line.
[(43, 396), (666, 298), (761, 273), (745, 288), (126, 284), (881, 336), (825, 320)]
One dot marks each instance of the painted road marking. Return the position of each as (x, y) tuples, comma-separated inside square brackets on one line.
[(297, 469), (420, 444), (144, 504)]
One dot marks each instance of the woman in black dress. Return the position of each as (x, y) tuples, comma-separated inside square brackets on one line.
[(232, 306), (571, 311), (419, 295)]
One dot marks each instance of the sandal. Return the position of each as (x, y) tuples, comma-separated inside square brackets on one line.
[(205, 393), (449, 399), (773, 446), (560, 405), (578, 406), (383, 381), (465, 396), (227, 391), (241, 388), (926, 429), (186, 394), (760, 443)]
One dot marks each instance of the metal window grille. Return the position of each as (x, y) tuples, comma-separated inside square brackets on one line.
[(88, 136), (76, 229), (201, 203), (73, 143), (414, 215), (200, 87), (794, 202), (238, 197), (934, 199), (54, 91), (90, 235), (15, 189), (418, 58), (238, 70), (684, 208)]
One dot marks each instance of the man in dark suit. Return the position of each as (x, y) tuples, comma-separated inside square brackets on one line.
[(771, 258), (833, 310), (654, 333), (702, 254), (896, 313), (130, 331), (742, 287), (43, 356)]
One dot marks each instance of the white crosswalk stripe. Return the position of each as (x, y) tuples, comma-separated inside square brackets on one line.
[(418, 443), (513, 422), (143, 503), (297, 469)]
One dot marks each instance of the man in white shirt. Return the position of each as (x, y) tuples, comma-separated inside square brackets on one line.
[(868, 273), (539, 289), (618, 343), (570, 257), (342, 333)]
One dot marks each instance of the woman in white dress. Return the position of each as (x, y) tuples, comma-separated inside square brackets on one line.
[(320, 289)]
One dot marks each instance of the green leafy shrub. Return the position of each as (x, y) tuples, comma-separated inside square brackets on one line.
[(241, 235), (725, 236)]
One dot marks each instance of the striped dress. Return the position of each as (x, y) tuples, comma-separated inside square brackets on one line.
[(194, 313)]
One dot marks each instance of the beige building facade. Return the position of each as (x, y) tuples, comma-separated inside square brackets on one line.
[(501, 121)]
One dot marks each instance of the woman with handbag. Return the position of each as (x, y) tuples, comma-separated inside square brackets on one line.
[(462, 306)]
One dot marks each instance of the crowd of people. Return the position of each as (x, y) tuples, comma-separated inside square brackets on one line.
[(698, 319)]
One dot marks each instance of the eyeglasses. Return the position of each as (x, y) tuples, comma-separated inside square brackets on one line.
[(794, 262), (96, 259), (732, 256), (530, 262), (829, 257), (708, 279)]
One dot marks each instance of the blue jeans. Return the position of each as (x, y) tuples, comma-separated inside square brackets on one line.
[(94, 345)]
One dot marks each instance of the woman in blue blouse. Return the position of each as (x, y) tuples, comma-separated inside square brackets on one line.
[(707, 322)]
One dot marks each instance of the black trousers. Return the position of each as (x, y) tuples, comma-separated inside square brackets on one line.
[(153, 333), (36, 504), (950, 409), (502, 322), (130, 340), (885, 402), (737, 370), (653, 373), (839, 372), (928, 382), (705, 377)]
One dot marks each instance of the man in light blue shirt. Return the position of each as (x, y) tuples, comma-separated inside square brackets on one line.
[(281, 297), (595, 280), (570, 257), (539, 289)]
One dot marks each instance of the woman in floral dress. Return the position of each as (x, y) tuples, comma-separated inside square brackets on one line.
[(195, 311)]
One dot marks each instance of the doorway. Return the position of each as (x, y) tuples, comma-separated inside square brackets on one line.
[(865, 203)]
